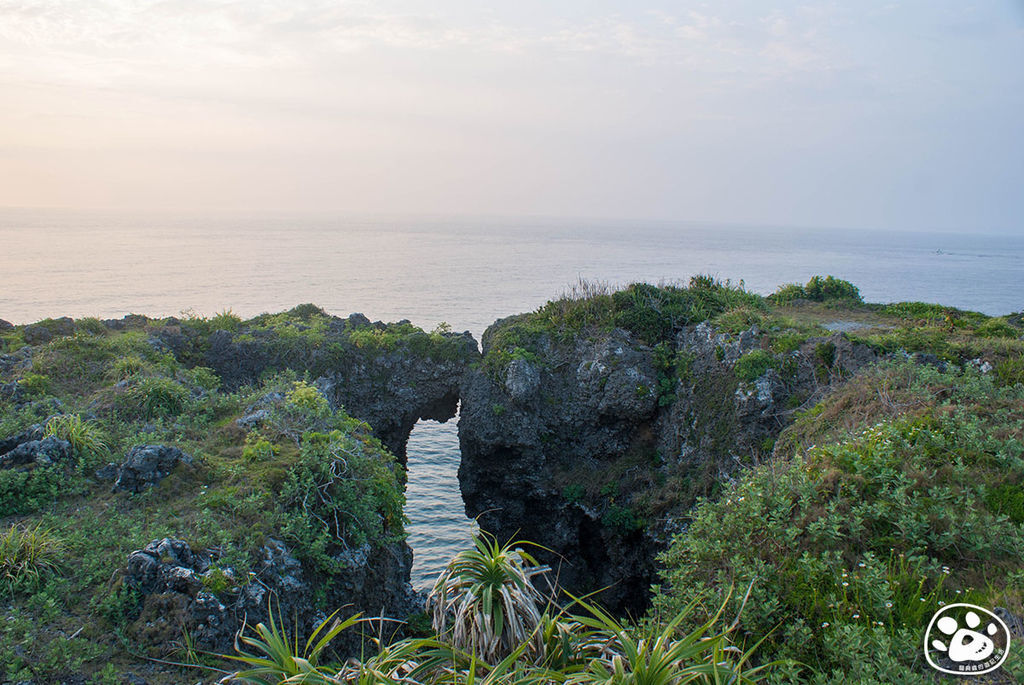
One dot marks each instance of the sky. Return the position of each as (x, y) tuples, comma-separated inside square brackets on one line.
[(888, 115)]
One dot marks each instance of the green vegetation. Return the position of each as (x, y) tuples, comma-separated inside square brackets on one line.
[(491, 625), (818, 289), (651, 313), (899, 490), (105, 391), (851, 544), (27, 554), (753, 365)]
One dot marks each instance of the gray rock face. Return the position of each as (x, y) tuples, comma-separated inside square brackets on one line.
[(34, 432), (5, 326), (521, 380), (568, 449), (44, 452), (166, 565), (147, 465), (168, 573)]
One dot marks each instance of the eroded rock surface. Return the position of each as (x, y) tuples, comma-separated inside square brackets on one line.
[(185, 588), (146, 465), (597, 446)]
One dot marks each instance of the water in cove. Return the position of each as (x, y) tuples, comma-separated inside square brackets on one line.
[(461, 271)]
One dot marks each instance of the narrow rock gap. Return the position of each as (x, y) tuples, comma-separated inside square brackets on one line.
[(438, 526)]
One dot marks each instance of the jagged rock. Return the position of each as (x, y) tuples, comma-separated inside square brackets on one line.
[(173, 580), (44, 452), (147, 465), (33, 432), (166, 565), (254, 419), (358, 321), (12, 391), (389, 389), (1014, 622), (5, 326), (521, 380), (599, 404)]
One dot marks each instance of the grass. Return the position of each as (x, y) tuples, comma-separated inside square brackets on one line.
[(27, 553), (86, 437)]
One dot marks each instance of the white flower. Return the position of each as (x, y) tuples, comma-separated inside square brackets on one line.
[(856, 615), (825, 624), (888, 605)]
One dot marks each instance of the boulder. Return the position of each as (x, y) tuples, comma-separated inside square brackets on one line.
[(33, 432), (5, 326), (147, 465), (166, 565), (49, 450)]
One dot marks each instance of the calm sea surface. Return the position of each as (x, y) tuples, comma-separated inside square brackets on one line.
[(464, 272)]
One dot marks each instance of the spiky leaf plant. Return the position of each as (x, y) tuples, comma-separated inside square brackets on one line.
[(625, 655), (484, 601), (273, 657)]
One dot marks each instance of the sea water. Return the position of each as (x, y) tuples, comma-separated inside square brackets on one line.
[(466, 272)]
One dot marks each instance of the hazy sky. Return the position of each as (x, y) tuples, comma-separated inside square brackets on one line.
[(871, 114)]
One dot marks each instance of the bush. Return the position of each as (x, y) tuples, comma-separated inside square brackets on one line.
[(343, 493), (23, 492), (818, 289), (753, 365), (867, 535)]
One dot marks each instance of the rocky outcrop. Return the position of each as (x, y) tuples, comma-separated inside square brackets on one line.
[(595, 447), (42, 452), (185, 588), (388, 375), (45, 331), (145, 466)]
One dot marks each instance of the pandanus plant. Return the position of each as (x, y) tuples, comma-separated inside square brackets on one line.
[(485, 603)]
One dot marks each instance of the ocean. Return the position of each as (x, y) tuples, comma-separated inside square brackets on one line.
[(465, 272)]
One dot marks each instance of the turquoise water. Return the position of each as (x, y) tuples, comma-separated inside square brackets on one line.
[(465, 272)]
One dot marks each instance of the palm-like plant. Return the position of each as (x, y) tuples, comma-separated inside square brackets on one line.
[(485, 603), (624, 655), (276, 658)]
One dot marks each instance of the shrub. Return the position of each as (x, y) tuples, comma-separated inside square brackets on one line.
[(753, 365), (830, 289), (27, 553), (787, 294), (343, 493), (22, 492), (818, 289), (997, 328), (862, 535), (307, 399)]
